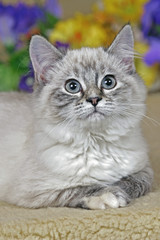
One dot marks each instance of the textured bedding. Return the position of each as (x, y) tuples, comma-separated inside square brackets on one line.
[(140, 220)]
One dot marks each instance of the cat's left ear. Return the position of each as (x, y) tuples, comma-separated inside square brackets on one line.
[(123, 47), (43, 56)]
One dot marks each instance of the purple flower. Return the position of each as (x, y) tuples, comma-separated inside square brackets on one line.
[(18, 19), (151, 19), (151, 30), (53, 7), (6, 26), (27, 81), (153, 55), (26, 17), (61, 45)]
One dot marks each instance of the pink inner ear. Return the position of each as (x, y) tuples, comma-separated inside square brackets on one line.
[(129, 63), (43, 79), (43, 73)]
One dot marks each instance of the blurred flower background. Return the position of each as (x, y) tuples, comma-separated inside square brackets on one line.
[(22, 19)]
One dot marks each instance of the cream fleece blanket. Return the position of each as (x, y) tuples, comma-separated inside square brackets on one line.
[(140, 220)]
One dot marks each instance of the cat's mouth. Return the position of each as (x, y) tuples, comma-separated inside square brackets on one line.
[(95, 115)]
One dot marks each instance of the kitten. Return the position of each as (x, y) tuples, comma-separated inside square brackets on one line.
[(76, 141)]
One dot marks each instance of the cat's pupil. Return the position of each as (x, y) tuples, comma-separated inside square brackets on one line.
[(73, 85), (108, 82)]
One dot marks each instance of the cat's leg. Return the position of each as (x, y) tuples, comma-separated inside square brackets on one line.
[(114, 196), (138, 184)]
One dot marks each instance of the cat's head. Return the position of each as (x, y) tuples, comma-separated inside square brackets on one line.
[(90, 85)]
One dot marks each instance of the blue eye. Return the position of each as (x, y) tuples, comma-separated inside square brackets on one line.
[(73, 86), (108, 82)]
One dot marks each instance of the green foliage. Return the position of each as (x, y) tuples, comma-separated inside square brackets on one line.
[(9, 78), (11, 72), (45, 26)]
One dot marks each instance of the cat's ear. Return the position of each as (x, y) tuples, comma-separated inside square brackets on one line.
[(43, 56), (123, 47)]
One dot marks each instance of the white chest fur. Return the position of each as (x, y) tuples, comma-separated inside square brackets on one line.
[(89, 158)]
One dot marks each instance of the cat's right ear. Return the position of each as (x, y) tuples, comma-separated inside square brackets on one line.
[(43, 56)]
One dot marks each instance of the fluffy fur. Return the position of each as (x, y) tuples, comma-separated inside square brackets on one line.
[(57, 148)]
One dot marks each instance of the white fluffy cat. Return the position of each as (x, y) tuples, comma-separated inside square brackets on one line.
[(76, 141)]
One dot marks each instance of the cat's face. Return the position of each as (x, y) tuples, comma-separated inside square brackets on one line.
[(91, 85)]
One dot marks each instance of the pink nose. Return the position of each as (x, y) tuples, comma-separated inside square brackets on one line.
[(94, 100)]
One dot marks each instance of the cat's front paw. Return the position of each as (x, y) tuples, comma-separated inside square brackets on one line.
[(106, 200)]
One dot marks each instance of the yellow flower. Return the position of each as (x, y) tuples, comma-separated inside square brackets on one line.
[(82, 30), (124, 10)]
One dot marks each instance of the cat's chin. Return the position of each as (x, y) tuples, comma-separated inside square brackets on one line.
[(95, 117)]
